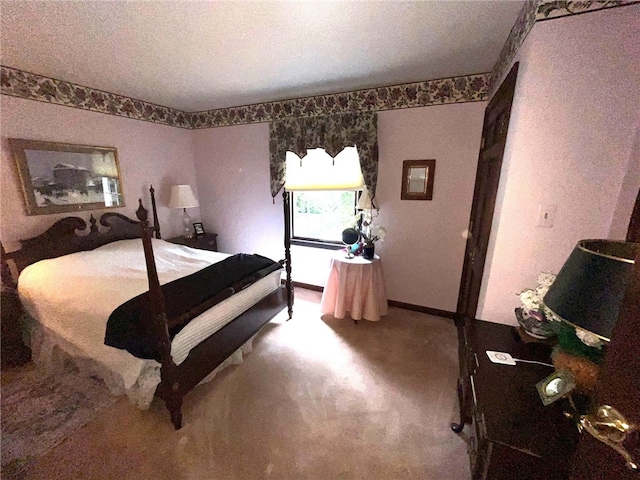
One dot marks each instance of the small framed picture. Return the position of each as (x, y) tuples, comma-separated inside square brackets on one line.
[(417, 179), (198, 228)]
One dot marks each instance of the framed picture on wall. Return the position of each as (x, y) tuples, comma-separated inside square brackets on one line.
[(198, 228), (417, 179), (60, 177)]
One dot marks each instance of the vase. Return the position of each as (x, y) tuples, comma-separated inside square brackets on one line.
[(539, 328), (369, 251)]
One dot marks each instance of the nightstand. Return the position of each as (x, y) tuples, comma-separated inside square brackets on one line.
[(208, 241)]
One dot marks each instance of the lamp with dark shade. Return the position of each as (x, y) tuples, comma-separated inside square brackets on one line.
[(588, 291), (587, 294), (182, 197)]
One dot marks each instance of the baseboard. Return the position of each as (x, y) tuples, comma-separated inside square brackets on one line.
[(308, 286), (418, 308), (407, 306)]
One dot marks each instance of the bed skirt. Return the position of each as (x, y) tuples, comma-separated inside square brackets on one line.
[(52, 353)]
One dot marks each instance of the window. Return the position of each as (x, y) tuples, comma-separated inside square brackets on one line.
[(321, 216), (324, 194)]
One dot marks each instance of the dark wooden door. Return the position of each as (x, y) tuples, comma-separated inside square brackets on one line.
[(618, 386), (494, 137), (633, 233)]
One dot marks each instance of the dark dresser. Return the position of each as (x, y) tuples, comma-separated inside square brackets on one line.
[(512, 435)]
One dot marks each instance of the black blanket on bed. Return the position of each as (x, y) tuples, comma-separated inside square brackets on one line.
[(130, 327)]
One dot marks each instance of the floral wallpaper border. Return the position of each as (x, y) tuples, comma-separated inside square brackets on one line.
[(18, 83), (470, 88), (537, 10), (519, 31), (548, 9)]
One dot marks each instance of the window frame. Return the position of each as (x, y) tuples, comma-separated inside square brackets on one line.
[(316, 242)]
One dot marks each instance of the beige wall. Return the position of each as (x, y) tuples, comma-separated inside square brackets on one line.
[(148, 154), (422, 254), (573, 125)]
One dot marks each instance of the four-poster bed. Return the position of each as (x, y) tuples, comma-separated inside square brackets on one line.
[(176, 377)]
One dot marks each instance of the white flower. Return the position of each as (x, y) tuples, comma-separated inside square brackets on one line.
[(531, 298), (550, 315), (588, 338), (545, 279), (378, 232)]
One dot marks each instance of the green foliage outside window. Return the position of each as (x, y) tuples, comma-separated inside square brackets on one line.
[(322, 215)]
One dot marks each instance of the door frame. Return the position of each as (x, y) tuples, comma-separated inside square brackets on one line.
[(507, 90)]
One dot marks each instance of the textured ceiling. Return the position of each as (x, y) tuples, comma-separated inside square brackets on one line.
[(198, 56)]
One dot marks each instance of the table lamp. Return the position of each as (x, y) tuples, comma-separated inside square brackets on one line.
[(588, 291), (365, 202), (587, 294), (182, 197)]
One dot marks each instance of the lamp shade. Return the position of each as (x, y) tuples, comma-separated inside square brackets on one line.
[(182, 197), (588, 291), (364, 202)]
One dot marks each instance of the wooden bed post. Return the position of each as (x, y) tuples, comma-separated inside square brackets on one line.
[(286, 200), (169, 389), (6, 275), (156, 223)]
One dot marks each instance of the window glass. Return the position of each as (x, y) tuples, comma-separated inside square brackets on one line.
[(322, 215)]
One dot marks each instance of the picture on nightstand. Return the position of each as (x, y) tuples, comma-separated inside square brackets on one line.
[(198, 228)]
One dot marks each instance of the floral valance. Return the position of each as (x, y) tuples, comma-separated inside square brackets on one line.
[(331, 132)]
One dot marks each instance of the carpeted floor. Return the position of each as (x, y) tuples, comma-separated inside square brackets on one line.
[(319, 398), (39, 411)]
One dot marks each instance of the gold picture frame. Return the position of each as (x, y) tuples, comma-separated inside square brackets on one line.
[(61, 177), (417, 179)]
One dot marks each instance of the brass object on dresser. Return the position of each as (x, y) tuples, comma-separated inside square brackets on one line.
[(206, 241), (611, 428)]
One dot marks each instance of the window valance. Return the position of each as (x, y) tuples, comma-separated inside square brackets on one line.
[(331, 132), (319, 171)]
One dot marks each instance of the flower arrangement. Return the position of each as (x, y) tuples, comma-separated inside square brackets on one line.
[(532, 315), (531, 298), (369, 231), (539, 321)]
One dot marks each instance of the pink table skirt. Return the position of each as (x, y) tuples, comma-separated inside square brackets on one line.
[(355, 286)]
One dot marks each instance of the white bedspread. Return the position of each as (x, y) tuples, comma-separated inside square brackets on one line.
[(72, 297)]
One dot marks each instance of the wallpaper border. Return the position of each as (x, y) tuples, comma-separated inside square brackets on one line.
[(468, 88), (540, 10), (462, 89), (18, 83)]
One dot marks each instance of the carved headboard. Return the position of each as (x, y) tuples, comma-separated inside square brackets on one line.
[(70, 235)]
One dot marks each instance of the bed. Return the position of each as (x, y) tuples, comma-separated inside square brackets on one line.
[(103, 268)]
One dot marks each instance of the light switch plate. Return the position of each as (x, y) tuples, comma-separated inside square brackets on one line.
[(500, 357), (546, 215)]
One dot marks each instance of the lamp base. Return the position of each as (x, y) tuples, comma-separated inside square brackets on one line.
[(187, 232), (584, 371)]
